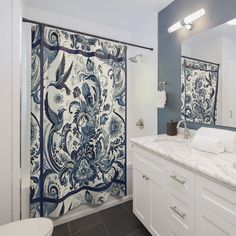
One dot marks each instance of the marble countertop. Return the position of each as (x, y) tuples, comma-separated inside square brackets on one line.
[(220, 167)]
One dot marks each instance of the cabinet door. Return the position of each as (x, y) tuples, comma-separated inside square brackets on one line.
[(174, 230), (149, 193), (141, 196), (208, 223), (157, 206)]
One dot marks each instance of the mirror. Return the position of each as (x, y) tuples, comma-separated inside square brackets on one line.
[(208, 76)]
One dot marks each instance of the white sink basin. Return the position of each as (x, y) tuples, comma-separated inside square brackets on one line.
[(173, 145)]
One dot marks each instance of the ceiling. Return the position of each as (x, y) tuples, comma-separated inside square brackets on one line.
[(119, 14)]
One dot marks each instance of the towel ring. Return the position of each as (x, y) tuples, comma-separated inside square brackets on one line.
[(163, 83)]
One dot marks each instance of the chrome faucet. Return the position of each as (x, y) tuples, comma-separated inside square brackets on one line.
[(186, 130)]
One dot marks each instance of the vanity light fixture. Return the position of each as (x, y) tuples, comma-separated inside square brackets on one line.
[(232, 22), (187, 21)]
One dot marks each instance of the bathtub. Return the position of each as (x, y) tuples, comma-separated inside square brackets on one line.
[(82, 210)]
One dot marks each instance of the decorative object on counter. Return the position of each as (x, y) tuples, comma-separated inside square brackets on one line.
[(187, 22), (140, 123), (208, 144), (171, 129), (199, 82), (228, 138), (186, 130), (161, 96)]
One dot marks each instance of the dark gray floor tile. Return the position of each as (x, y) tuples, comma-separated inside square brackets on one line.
[(140, 232), (129, 206), (84, 223), (61, 230), (119, 221), (98, 230)]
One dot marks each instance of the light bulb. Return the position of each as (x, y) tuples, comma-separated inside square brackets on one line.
[(232, 22), (187, 22), (175, 27), (189, 19)]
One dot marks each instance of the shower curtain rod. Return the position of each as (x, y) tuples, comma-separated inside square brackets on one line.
[(87, 34)]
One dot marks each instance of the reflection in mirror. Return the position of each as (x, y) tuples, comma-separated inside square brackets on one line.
[(208, 76)]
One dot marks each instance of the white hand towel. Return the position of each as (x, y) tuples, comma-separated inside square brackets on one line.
[(208, 144), (227, 137), (161, 98)]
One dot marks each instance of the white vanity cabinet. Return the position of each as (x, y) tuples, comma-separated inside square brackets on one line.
[(149, 193), (173, 201)]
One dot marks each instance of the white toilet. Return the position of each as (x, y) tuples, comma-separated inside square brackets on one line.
[(29, 227)]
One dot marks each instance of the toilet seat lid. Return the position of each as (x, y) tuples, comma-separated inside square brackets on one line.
[(29, 227)]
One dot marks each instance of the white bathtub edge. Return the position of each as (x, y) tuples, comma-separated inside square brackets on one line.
[(78, 214), (82, 210), (85, 210)]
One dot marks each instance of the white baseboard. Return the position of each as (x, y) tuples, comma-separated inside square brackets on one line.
[(86, 210)]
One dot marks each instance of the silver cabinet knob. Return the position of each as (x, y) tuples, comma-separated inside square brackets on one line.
[(146, 177)]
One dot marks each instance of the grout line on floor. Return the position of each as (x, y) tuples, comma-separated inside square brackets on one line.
[(127, 209), (68, 225), (104, 224), (86, 227), (108, 233), (132, 215), (125, 206), (132, 232)]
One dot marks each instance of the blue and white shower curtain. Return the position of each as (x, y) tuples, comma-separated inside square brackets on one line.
[(78, 121)]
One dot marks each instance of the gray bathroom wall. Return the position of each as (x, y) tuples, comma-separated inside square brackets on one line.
[(169, 47)]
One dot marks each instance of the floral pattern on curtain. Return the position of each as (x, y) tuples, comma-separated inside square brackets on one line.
[(199, 83), (78, 121)]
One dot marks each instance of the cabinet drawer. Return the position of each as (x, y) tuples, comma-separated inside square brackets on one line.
[(181, 212), (148, 156), (181, 179), (140, 163), (175, 230), (217, 198), (150, 170), (208, 223)]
